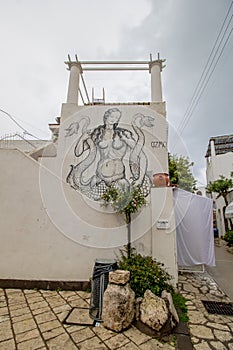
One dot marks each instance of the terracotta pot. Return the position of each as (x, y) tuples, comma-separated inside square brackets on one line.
[(161, 180)]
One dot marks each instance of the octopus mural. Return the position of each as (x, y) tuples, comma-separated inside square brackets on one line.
[(109, 155)]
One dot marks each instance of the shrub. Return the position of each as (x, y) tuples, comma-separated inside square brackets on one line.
[(145, 273), (229, 237)]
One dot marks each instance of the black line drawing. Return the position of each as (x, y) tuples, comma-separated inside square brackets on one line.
[(109, 155)]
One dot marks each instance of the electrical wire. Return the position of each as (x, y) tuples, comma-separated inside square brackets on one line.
[(20, 126), (202, 83), (203, 87)]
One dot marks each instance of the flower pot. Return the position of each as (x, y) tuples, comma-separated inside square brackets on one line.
[(161, 180)]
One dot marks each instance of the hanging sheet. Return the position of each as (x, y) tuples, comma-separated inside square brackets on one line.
[(194, 229)]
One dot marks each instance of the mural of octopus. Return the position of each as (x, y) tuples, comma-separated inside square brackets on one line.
[(106, 152)]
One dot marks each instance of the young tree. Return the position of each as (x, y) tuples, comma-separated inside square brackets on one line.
[(222, 187), (180, 173), (125, 202)]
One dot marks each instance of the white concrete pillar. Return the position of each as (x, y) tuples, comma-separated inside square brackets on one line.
[(75, 70), (156, 86), (212, 148)]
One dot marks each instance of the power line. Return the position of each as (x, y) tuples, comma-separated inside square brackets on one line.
[(203, 87), (20, 126), (202, 83)]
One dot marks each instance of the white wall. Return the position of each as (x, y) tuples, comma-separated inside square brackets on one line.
[(221, 164), (50, 231)]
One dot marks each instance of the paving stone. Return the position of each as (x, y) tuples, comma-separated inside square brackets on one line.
[(82, 334), (131, 346), (136, 336), (195, 340), (41, 311), (31, 298), (44, 327), (196, 317), (52, 333), (62, 342), (16, 301), (54, 299), (78, 303), (217, 345), (30, 291), (66, 294), (92, 344), (201, 332), (31, 344), (190, 289), (61, 308), (84, 295), (24, 326), (73, 328), (45, 316), (4, 311), (103, 333), (57, 303), (218, 326), (3, 303), (48, 292), (27, 335), (21, 317), (12, 290), (4, 318), (154, 344), (18, 306), (62, 316), (7, 345), (222, 336), (5, 331), (73, 297), (202, 346), (39, 305), (191, 308), (182, 278), (20, 312), (116, 341), (230, 346)]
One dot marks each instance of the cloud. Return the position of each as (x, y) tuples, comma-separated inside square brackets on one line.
[(36, 37)]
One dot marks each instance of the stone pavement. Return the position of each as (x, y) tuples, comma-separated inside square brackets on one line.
[(208, 331), (31, 319)]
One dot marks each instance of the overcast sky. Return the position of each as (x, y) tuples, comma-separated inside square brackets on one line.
[(37, 35)]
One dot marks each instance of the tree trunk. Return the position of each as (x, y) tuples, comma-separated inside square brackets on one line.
[(128, 221)]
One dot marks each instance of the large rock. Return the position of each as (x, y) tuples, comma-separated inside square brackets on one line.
[(174, 316), (156, 316), (119, 277), (153, 311), (118, 307)]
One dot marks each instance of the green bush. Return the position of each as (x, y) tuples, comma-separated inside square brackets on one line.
[(229, 237), (145, 273)]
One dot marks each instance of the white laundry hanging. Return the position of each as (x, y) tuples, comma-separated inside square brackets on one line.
[(194, 229)]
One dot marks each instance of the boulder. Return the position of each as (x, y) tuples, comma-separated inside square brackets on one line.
[(155, 316), (119, 277), (153, 311), (118, 307), (174, 316)]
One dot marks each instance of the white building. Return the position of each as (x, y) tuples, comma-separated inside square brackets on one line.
[(54, 226), (219, 158)]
